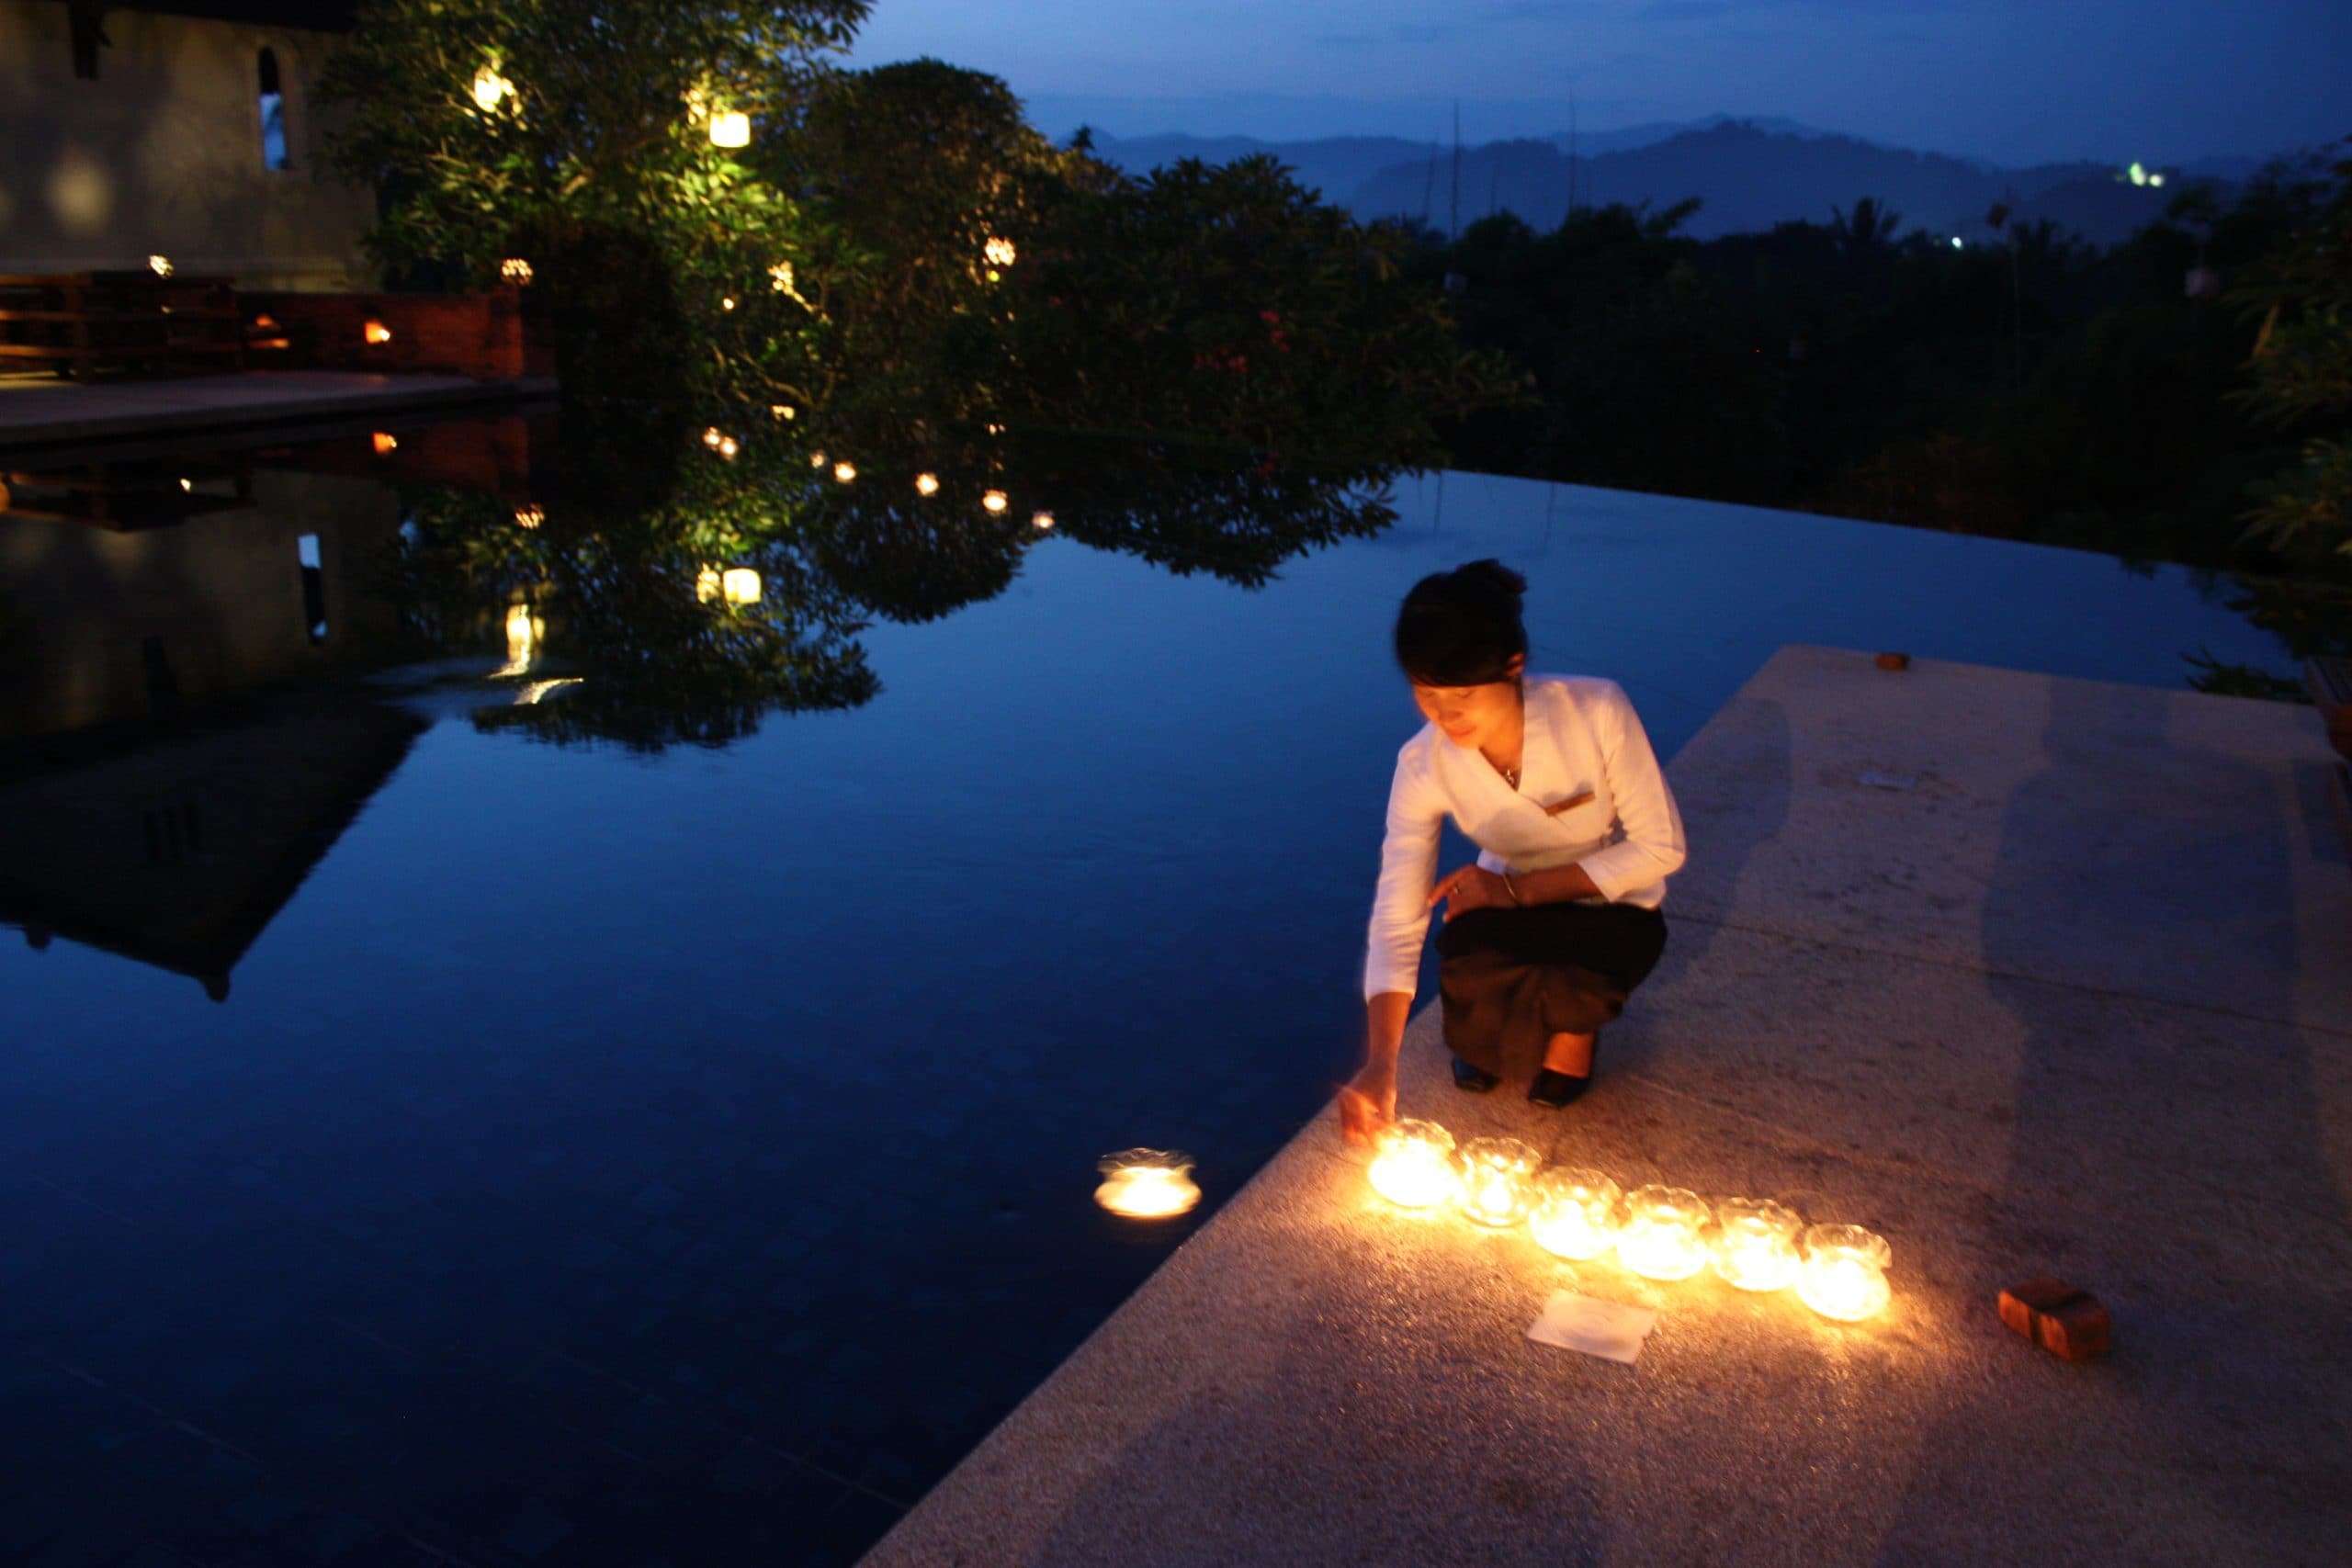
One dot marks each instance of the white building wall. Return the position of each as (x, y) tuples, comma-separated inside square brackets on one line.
[(162, 154)]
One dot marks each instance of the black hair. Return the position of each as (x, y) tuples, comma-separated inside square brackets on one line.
[(1461, 628)]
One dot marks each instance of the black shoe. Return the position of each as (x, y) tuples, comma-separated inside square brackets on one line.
[(1472, 1080), (1555, 1091)]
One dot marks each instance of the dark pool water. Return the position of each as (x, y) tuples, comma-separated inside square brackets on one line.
[(610, 1156)]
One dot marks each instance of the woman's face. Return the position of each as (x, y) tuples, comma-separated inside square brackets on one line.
[(1483, 718)]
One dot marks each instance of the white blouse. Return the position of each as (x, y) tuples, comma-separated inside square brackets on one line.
[(1583, 744)]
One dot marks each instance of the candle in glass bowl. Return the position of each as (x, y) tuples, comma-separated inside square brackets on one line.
[(1574, 1213), (1497, 1176), (1756, 1243), (1661, 1238), (1147, 1184), (1844, 1272), (1413, 1167)]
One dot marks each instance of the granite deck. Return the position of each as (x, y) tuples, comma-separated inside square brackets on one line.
[(2076, 1001), (43, 412)]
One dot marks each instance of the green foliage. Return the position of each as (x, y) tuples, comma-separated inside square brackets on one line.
[(2301, 369), (592, 129), (1228, 305)]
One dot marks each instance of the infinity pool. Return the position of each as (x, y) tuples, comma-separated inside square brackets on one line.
[(682, 1153)]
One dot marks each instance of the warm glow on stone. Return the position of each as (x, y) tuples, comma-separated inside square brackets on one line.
[(1498, 1181), (1844, 1272), (1147, 1184), (1413, 1167), (1661, 1238), (1574, 1215), (1755, 1243)]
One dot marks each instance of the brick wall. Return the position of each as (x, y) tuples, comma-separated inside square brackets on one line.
[(493, 336)]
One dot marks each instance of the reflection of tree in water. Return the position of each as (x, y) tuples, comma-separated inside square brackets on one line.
[(629, 608), (2310, 619)]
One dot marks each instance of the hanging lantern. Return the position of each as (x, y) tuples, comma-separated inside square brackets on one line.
[(781, 411), (713, 436), (844, 471), (995, 501), (385, 443), (740, 584), (516, 270), (926, 484), (529, 516), (1413, 1167), (1498, 1181), (161, 266), (1575, 1212), (781, 276), (1147, 1184), (1041, 521), (727, 303), (728, 447), (999, 252), (1844, 1272), (731, 128), (1662, 1238), (1755, 1243), (376, 332)]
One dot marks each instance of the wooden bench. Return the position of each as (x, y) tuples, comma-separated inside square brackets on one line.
[(85, 325)]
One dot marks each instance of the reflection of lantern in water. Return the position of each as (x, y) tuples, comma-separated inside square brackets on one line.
[(740, 584), (1497, 1180), (731, 128), (1147, 1184), (523, 631), (844, 471), (1755, 1243), (377, 332), (1661, 1237), (926, 484), (995, 501), (1413, 1167), (1574, 1213), (1844, 1272), (385, 443)]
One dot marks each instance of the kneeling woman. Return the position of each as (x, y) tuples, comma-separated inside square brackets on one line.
[(1556, 922)]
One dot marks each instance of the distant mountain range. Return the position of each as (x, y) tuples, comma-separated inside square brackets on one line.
[(1748, 174)]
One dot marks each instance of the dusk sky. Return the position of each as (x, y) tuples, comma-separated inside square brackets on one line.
[(2010, 80)]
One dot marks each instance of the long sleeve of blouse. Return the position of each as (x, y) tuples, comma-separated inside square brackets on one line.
[(1591, 793)]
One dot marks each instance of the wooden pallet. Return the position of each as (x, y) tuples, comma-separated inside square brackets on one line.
[(88, 324)]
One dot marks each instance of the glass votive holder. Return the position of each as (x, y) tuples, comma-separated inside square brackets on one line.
[(1844, 1272), (1498, 1181), (1574, 1215), (1663, 1234), (1147, 1184), (1413, 1165), (1755, 1243)]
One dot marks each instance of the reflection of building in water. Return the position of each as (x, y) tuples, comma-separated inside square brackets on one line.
[(177, 847), (103, 626)]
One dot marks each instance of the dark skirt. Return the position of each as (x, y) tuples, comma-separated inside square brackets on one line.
[(1511, 979)]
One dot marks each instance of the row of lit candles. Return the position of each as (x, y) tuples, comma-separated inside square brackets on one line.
[(1659, 1233)]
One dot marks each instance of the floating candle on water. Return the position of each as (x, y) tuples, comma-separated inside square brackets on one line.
[(1147, 1184), (1661, 1239), (1496, 1176), (1755, 1243), (1414, 1167), (1574, 1213), (1844, 1272)]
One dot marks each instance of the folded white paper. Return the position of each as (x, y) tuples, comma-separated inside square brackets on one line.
[(1611, 1330)]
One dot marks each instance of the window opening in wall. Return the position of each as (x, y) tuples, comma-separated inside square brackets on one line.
[(314, 587), (273, 114)]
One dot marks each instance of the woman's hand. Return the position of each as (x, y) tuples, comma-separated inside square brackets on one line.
[(1368, 1104), (1472, 888)]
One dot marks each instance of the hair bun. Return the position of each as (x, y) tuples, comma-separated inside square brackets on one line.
[(1491, 576)]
